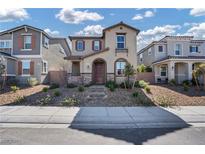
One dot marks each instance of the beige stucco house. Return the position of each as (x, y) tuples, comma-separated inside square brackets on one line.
[(173, 57), (97, 59)]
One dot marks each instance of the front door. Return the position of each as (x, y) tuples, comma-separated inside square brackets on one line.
[(99, 72)]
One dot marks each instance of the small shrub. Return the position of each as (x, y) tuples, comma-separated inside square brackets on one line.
[(54, 86), (32, 81), (20, 99), (112, 88), (141, 68), (45, 89), (172, 82), (12, 82), (128, 85), (186, 82), (111, 83), (142, 84), (164, 101), (69, 101), (56, 93), (71, 85), (185, 87), (147, 89), (135, 94), (148, 69), (14, 88), (87, 85), (45, 100), (81, 88)]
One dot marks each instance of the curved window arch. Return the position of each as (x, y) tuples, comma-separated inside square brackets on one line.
[(120, 67)]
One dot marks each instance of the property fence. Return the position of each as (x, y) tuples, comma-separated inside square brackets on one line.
[(146, 76), (59, 77)]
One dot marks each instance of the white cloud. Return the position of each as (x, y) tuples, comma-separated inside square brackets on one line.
[(112, 14), (158, 32), (91, 30), (197, 12), (52, 33), (8, 15), (198, 31), (148, 14), (137, 17), (73, 16)]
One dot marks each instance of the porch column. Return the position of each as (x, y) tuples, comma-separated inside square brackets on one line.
[(190, 70), (171, 70)]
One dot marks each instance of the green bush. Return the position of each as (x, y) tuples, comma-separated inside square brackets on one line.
[(128, 85), (142, 84), (45, 101), (135, 94), (111, 83), (81, 88), (45, 89), (71, 85), (56, 93), (172, 82), (148, 69), (69, 101), (32, 81), (185, 87), (20, 99), (141, 68), (147, 89), (54, 86), (14, 88), (112, 88), (186, 82)]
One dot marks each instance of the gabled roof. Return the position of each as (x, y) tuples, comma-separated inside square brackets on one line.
[(85, 37), (122, 24), (24, 26), (7, 55)]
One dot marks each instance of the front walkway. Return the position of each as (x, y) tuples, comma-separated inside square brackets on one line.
[(102, 117)]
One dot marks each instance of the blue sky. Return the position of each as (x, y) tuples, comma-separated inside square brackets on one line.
[(153, 23)]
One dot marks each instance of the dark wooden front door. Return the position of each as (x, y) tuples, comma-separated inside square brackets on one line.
[(99, 72)]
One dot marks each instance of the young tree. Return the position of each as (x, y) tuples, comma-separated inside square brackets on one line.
[(200, 70), (2, 78), (129, 71)]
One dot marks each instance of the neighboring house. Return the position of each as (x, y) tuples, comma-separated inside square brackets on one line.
[(27, 52), (173, 57), (97, 59)]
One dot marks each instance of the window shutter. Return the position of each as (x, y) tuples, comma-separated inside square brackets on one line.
[(190, 48), (83, 45), (31, 68), (20, 42), (19, 67), (197, 49), (33, 40), (100, 45), (76, 44), (93, 43)]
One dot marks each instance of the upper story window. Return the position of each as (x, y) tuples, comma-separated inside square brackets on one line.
[(96, 45), (193, 49), (178, 49), (27, 42), (46, 42), (80, 45), (120, 67), (160, 48), (5, 44), (149, 51), (120, 41)]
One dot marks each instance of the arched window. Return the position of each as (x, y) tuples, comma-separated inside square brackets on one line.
[(120, 67)]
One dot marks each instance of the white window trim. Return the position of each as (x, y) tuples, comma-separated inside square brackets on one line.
[(29, 34), (44, 44), (98, 45), (10, 44), (161, 71), (22, 67), (117, 69), (181, 49), (24, 44), (193, 46), (77, 46), (121, 42), (44, 61)]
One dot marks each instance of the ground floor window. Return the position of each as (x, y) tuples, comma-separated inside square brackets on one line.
[(120, 67), (44, 67), (163, 71), (26, 67), (75, 68)]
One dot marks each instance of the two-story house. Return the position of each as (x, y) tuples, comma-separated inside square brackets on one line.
[(173, 57), (27, 51), (97, 59)]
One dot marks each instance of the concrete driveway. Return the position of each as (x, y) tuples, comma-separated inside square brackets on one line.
[(102, 117)]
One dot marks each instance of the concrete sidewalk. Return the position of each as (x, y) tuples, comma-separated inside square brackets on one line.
[(102, 117)]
